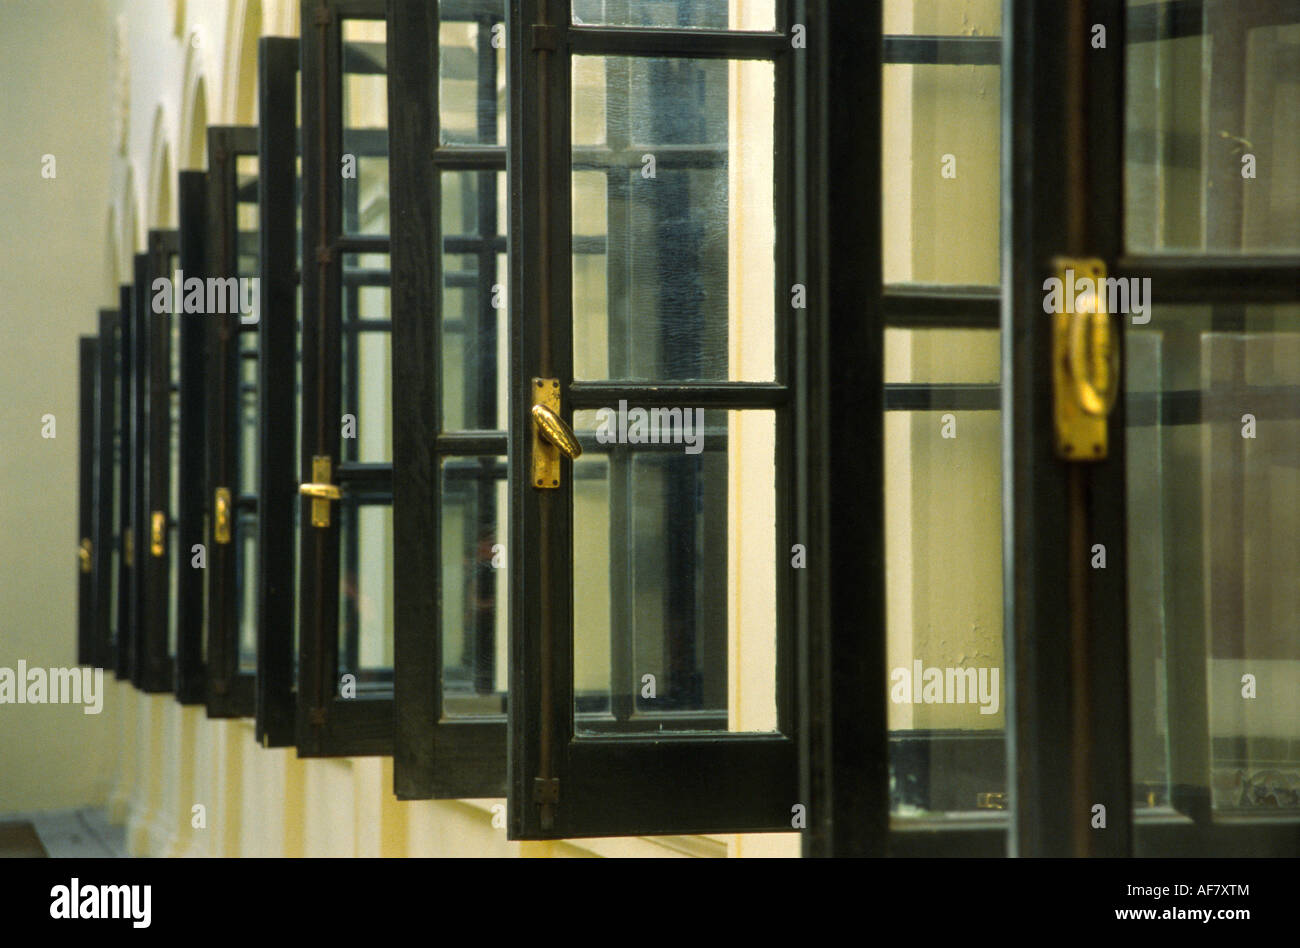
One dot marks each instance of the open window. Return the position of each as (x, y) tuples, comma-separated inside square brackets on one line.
[(190, 549), (657, 266), (232, 322), (88, 395), (279, 389), (106, 538), (158, 349), (448, 126), (345, 589), (123, 491)]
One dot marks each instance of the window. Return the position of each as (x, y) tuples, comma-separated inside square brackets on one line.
[(231, 406), (87, 402), (345, 592), (279, 389), (449, 353), (655, 253)]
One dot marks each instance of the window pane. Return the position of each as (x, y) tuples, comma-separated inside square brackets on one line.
[(472, 77), (943, 531), (1211, 163), (474, 585), (365, 127), (474, 303), (942, 356), (943, 17), (674, 571), (673, 219), (366, 591), (1213, 409), (367, 387), (940, 174), (697, 14)]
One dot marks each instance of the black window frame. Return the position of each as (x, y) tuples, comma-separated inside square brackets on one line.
[(190, 681), (107, 543), (88, 396), (126, 469), (278, 396), (615, 785), (435, 755), (230, 692), (155, 365), (328, 724)]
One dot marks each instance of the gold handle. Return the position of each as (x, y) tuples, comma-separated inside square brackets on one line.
[(221, 524), (552, 435), (157, 528), (325, 491), (1085, 359), (557, 431), (320, 490), (83, 554), (128, 545), (1094, 357)]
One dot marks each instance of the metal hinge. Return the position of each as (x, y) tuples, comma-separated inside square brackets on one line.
[(324, 16), (128, 547), (84, 554)]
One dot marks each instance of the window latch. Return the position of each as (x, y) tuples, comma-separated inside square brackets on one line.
[(157, 530), (221, 519), (552, 435), (320, 490)]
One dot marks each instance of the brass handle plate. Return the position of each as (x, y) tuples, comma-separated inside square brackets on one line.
[(221, 520), (552, 435), (157, 530), (320, 490), (83, 554), (1085, 361)]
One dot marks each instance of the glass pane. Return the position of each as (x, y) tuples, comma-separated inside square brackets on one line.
[(693, 14), (942, 356), (673, 219), (367, 429), (472, 75), (365, 127), (943, 531), (674, 572), (940, 175), (943, 17), (474, 303), (1214, 419), (246, 584), (366, 592), (1211, 163), (474, 585)]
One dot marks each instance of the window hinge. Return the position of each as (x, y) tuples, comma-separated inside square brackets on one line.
[(325, 255), (546, 37), (546, 790), (317, 717), (324, 16)]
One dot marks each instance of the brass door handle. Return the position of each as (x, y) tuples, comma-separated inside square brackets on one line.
[(83, 554), (552, 435), (1085, 358), (557, 431), (321, 490), (1094, 357)]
